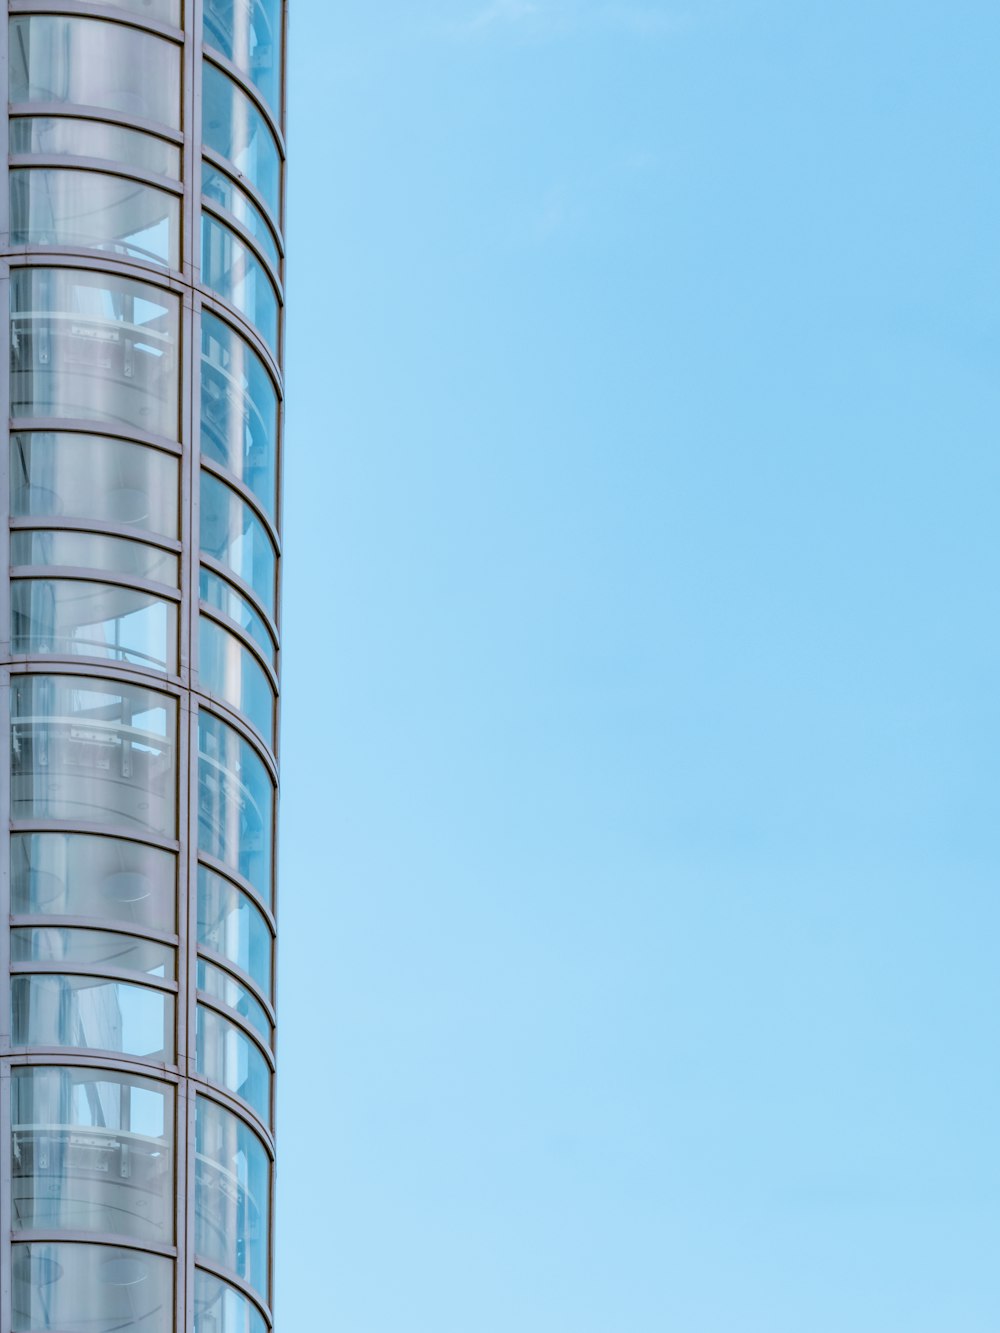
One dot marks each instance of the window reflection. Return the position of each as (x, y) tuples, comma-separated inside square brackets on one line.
[(71, 617), (234, 128), (94, 346), (233, 534), (91, 550), (223, 597), (231, 925), (227, 1056), (107, 879), (60, 136), (90, 1289), (219, 1308), (232, 1195), (94, 750), (92, 1014), (57, 474), (88, 210), (235, 803), (230, 671), (239, 410), (248, 32), (92, 1151), (86, 62), (224, 988), (232, 270)]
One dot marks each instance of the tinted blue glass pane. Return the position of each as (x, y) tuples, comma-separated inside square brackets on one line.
[(235, 804), (239, 410), (249, 33), (234, 128)]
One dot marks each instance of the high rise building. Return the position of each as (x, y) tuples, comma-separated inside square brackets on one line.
[(141, 248)]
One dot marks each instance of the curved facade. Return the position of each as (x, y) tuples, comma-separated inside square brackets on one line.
[(142, 255)]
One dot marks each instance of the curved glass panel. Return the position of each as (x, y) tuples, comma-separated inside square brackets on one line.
[(91, 1289), (92, 1151), (231, 925), (92, 1014), (36, 547), (234, 128), (88, 210), (248, 32), (93, 750), (95, 346), (56, 474), (226, 1055), (239, 410), (86, 62), (218, 187), (235, 273), (230, 671), (59, 136), (92, 948), (235, 803), (219, 1308), (108, 879), (218, 593), (232, 1195), (72, 617), (233, 534), (224, 988)]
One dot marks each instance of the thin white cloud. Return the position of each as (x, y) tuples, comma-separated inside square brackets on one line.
[(500, 12), (561, 17)]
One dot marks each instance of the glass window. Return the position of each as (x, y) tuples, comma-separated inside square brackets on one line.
[(94, 346), (108, 879), (90, 1289), (93, 750), (219, 1308), (233, 534), (56, 474), (71, 617), (230, 671), (234, 128), (37, 547), (217, 186), (239, 410), (235, 803), (88, 210), (248, 32), (227, 1056), (218, 594), (82, 61), (233, 271), (224, 988), (60, 136), (232, 1194), (231, 925), (92, 948), (92, 1014), (92, 1151)]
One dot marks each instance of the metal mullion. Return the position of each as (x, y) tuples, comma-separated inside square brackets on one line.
[(92, 259), (118, 832), (99, 1058), (99, 165), (45, 921), (52, 1235), (57, 523), (81, 111), (89, 426), (65, 967), (82, 574)]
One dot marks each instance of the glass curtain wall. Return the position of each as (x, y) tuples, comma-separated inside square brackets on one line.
[(143, 265)]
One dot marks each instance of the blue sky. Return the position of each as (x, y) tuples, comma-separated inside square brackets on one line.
[(639, 837)]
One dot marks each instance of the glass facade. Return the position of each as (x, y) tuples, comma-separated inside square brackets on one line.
[(140, 653)]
